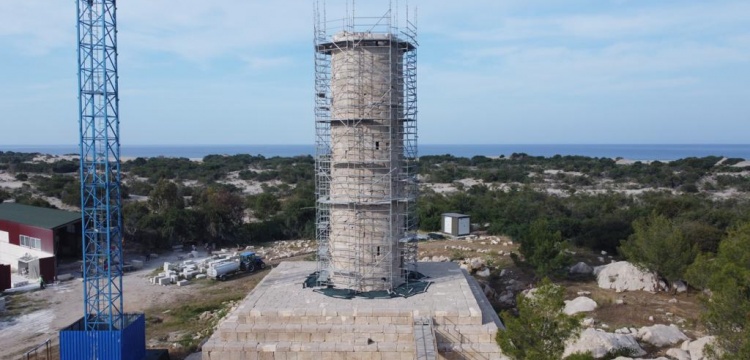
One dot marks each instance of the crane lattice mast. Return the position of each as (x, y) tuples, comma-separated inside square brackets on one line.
[(100, 164)]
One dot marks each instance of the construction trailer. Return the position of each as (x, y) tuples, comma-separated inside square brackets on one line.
[(456, 224)]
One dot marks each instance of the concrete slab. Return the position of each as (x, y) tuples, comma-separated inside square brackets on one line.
[(281, 310)]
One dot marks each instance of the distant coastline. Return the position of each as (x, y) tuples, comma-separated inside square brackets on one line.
[(646, 152)]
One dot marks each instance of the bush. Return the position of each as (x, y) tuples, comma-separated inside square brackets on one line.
[(544, 248), (541, 329), (660, 246)]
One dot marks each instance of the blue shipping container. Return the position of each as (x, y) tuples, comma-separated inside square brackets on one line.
[(126, 344)]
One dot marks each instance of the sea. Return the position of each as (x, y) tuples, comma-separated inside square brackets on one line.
[(627, 151)]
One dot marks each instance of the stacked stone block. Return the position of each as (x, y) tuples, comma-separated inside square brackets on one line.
[(282, 320)]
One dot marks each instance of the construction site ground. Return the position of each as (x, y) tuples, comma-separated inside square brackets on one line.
[(179, 318), (171, 312)]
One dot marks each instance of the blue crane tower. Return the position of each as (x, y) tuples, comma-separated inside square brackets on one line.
[(105, 331)]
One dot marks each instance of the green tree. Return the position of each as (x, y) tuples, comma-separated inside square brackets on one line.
[(222, 210), (540, 330), (543, 248), (727, 275), (265, 205), (165, 196), (659, 245)]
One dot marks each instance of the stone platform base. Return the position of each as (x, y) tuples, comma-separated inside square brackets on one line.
[(280, 319)]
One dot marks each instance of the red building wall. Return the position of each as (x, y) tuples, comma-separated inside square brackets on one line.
[(15, 230)]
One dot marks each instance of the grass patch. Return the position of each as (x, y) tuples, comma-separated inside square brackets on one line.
[(191, 320)]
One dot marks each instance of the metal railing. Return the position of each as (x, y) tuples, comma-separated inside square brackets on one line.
[(38, 353)]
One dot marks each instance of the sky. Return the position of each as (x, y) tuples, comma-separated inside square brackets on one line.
[(489, 71)]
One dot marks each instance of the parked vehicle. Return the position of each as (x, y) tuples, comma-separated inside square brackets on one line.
[(246, 262)]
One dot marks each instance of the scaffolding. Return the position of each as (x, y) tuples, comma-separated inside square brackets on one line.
[(366, 150)]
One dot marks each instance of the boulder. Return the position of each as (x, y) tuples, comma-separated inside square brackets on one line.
[(484, 273), (579, 305), (678, 354), (599, 343), (624, 276), (581, 268), (476, 263), (507, 298), (661, 335), (695, 348), (679, 286), (598, 269)]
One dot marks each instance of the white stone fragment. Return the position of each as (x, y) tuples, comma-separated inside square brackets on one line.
[(581, 268), (579, 305), (661, 335), (484, 273), (624, 276), (697, 347), (679, 286), (678, 354), (599, 343)]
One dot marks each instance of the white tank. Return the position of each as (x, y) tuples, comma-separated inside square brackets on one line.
[(218, 270)]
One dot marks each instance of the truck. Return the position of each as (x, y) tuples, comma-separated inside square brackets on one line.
[(247, 261)]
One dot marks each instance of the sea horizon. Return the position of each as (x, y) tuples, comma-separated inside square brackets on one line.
[(646, 152)]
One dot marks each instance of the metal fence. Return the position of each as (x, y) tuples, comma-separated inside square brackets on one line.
[(41, 351)]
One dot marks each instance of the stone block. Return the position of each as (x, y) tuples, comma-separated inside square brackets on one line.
[(301, 337), (405, 338), (343, 347), (318, 337), (401, 320), (378, 337), (327, 346), (183, 283), (386, 347), (164, 281), (310, 348), (404, 329)]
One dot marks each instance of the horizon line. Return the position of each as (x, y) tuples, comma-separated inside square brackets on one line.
[(430, 144)]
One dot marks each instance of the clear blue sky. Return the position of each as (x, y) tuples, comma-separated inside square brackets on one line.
[(490, 71)]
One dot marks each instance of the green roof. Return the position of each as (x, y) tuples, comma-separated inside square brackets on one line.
[(37, 216)]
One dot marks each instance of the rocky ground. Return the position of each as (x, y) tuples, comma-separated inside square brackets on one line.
[(624, 307)]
